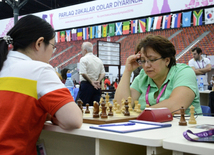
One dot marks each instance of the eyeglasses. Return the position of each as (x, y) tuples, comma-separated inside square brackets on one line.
[(143, 62), (54, 47)]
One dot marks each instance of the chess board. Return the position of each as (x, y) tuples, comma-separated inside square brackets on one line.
[(88, 118)]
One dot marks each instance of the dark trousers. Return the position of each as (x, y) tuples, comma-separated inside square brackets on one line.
[(211, 102), (88, 94)]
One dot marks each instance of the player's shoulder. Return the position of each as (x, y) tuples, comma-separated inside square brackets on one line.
[(192, 60)]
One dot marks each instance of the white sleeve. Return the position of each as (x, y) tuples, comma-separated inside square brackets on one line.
[(207, 61), (48, 81), (191, 63), (83, 66)]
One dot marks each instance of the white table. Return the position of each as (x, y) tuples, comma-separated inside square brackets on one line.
[(96, 142), (204, 97), (179, 144)]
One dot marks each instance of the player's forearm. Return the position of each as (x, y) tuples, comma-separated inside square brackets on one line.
[(204, 70), (101, 77), (123, 89), (85, 76)]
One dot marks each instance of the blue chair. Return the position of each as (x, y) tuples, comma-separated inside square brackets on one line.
[(206, 110)]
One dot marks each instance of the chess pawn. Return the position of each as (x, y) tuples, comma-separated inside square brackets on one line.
[(126, 112), (130, 103), (135, 103), (192, 118), (110, 111), (138, 109), (80, 103), (87, 111), (118, 111), (107, 105), (101, 100), (96, 110), (182, 119), (122, 107)]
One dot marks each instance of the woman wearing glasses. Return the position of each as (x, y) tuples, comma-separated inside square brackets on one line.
[(30, 87), (161, 82)]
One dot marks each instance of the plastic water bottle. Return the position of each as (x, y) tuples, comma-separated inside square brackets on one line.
[(69, 84), (198, 83), (201, 85)]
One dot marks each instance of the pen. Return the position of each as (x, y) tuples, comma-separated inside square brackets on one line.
[(126, 124)]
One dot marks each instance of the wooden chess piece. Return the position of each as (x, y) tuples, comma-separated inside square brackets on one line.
[(110, 112), (118, 111), (103, 114), (87, 111), (107, 98), (115, 106), (80, 103), (147, 105), (192, 118), (130, 103), (126, 112), (96, 110), (138, 108), (135, 105), (182, 119)]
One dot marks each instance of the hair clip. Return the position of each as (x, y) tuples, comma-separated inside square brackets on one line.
[(8, 39)]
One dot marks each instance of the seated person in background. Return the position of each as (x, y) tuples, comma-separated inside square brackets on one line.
[(64, 74), (30, 89), (107, 82), (161, 82)]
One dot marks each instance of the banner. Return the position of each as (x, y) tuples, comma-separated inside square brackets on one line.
[(166, 21), (134, 26), (98, 31), (74, 34), (111, 29), (197, 17), (126, 27), (118, 29), (186, 19), (85, 33), (149, 22), (92, 32), (209, 16), (62, 36), (79, 34), (142, 25), (176, 20), (104, 30), (100, 11), (157, 23), (68, 35)]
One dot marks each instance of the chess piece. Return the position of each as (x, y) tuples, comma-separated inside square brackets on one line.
[(192, 118), (87, 111), (147, 105), (80, 103), (138, 109), (103, 114), (123, 105), (182, 119), (96, 110), (126, 112), (115, 106), (135, 103), (110, 111), (130, 103), (114, 101), (107, 98), (118, 111)]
